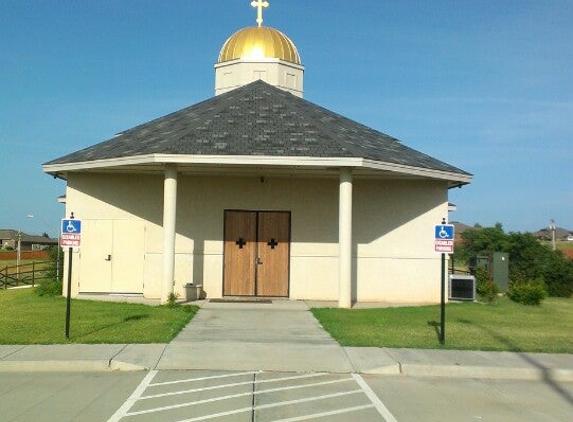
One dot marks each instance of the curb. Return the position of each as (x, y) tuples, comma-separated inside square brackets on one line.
[(407, 370), (69, 366), (484, 372)]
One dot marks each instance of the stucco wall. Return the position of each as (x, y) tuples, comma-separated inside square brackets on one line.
[(284, 75), (392, 231)]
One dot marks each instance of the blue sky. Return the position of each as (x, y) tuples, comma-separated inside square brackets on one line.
[(483, 85)]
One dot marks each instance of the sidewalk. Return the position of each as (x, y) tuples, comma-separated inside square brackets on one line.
[(282, 336)]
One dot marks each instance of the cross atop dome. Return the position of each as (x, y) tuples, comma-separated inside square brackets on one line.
[(260, 4), (259, 52)]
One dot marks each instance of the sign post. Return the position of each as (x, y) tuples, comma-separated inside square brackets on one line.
[(71, 236), (443, 243)]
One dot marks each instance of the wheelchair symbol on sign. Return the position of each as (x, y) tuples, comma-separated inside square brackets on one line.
[(443, 233), (70, 228)]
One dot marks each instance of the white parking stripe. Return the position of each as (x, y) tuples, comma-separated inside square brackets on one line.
[(296, 387), (323, 414), (307, 399), (218, 415), (197, 390), (122, 411), (233, 396), (383, 410), (189, 404), (238, 374), (215, 387), (146, 383), (295, 377)]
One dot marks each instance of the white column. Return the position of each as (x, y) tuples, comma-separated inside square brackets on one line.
[(345, 239), (169, 217)]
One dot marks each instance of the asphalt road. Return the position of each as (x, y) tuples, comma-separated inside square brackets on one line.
[(275, 397)]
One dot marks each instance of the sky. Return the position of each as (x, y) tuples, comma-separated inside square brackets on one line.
[(484, 85)]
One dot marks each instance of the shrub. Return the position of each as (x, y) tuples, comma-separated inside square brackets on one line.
[(558, 275), (528, 293), (55, 264), (172, 300), (49, 288), (484, 288)]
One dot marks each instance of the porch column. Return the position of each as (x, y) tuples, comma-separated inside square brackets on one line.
[(345, 239), (169, 217)]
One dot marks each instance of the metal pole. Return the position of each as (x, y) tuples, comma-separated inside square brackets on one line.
[(69, 297), (443, 303), (553, 228), (19, 254), (58, 262)]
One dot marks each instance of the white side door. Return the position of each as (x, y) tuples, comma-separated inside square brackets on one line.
[(127, 257), (95, 256)]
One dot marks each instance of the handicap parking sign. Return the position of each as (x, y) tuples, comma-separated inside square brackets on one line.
[(71, 235), (444, 238), (72, 226), (444, 231)]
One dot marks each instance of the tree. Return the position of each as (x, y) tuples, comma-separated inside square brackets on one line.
[(478, 240), (528, 258)]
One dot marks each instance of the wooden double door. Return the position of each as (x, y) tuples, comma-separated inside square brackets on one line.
[(257, 250)]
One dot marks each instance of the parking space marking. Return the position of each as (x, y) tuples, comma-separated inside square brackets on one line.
[(212, 377), (307, 399), (189, 404), (218, 415), (276, 396), (228, 397), (296, 387), (196, 390), (122, 411), (215, 387), (382, 409), (323, 414)]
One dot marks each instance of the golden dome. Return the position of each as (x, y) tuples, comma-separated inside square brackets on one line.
[(259, 42)]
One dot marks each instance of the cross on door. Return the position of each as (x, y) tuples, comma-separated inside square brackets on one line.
[(241, 243), (272, 243)]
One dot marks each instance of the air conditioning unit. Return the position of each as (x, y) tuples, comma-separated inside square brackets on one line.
[(462, 287)]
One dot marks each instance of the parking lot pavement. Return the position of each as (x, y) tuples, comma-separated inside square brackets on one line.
[(64, 396), (251, 396), (438, 399), (256, 396)]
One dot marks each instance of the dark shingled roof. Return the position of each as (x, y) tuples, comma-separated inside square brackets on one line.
[(11, 234), (257, 119)]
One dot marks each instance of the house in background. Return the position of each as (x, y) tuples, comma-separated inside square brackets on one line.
[(258, 192), (9, 240)]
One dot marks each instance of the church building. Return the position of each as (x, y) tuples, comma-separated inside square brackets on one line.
[(257, 193)]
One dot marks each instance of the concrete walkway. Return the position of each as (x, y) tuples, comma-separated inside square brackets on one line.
[(279, 336), (282, 336)]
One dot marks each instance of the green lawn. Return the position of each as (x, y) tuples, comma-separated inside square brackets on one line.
[(26, 318), (503, 326)]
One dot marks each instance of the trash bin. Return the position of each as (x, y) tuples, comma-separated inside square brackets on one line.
[(193, 292)]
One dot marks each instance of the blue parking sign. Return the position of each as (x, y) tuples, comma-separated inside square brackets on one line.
[(70, 226), (444, 238), (444, 232)]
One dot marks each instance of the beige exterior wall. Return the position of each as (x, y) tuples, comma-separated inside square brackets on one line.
[(392, 231), (279, 73)]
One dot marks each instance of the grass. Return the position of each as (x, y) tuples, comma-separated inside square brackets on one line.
[(26, 318), (504, 326), (561, 245)]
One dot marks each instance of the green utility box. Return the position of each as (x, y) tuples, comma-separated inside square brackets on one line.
[(497, 266)]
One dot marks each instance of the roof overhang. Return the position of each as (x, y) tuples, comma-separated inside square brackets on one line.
[(243, 164)]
